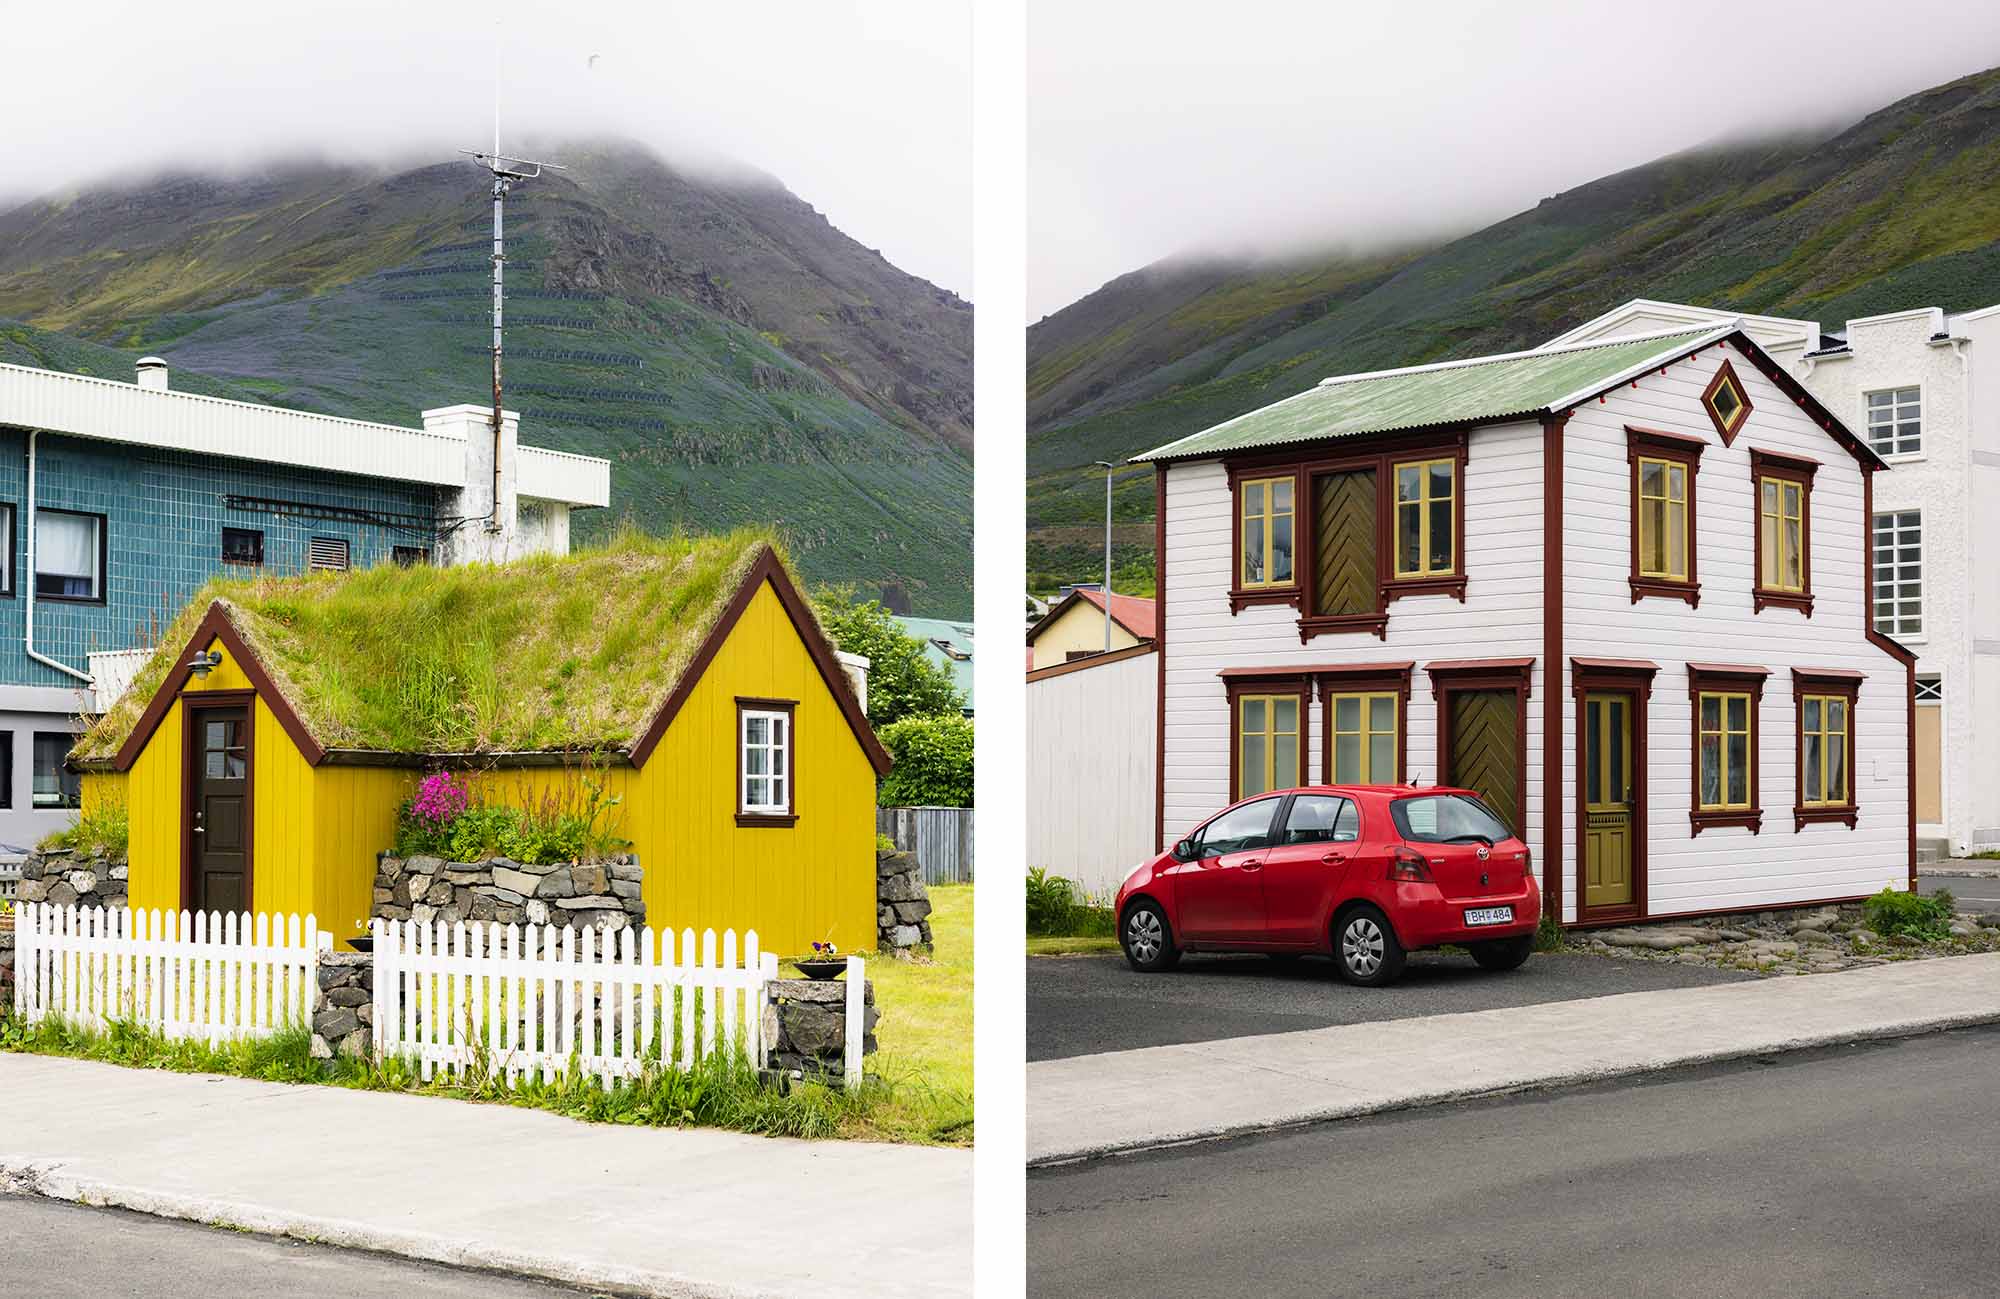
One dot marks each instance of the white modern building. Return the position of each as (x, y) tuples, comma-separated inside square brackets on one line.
[(1910, 382)]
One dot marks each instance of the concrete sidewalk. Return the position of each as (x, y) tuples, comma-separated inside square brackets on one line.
[(637, 1210), (1135, 1100)]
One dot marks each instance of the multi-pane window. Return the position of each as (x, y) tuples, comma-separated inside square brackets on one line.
[(55, 785), (1267, 531), (1781, 505), (1663, 530), (1824, 735), (242, 546), (1899, 573), (1267, 755), (1896, 421), (766, 761), (1723, 752), (69, 555), (1364, 738), (1426, 541)]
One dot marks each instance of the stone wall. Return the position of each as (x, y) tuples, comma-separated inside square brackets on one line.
[(344, 1005), (62, 878), (805, 1027), (602, 895), (902, 903)]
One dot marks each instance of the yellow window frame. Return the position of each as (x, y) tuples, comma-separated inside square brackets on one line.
[(1771, 564), (1365, 734), (1723, 731), (1826, 735), (1269, 515), (1670, 507), (1423, 504), (1270, 733)]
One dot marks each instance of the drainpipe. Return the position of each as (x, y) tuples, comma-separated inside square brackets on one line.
[(28, 635)]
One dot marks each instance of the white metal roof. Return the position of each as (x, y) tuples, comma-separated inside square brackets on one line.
[(112, 411)]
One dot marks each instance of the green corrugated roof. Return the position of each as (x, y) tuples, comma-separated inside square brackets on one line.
[(1488, 388)]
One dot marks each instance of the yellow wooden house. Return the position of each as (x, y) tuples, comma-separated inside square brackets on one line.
[(263, 754)]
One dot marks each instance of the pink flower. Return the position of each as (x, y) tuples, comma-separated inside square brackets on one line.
[(440, 800)]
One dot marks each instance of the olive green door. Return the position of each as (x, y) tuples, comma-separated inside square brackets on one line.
[(1607, 800), (1485, 752)]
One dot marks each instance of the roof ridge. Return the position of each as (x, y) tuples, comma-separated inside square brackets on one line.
[(1566, 349)]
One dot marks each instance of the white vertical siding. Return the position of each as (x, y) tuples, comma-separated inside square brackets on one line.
[(1091, 761), (1732, 868), (1500, 618)]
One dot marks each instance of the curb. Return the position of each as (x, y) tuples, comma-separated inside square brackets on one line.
[(1545, 1082), (1959, 872), (44, 1179)]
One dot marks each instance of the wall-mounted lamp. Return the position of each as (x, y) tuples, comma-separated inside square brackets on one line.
[(205, 663)]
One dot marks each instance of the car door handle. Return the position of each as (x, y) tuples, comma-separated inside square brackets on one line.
[(1333, 858), (1253, 865)]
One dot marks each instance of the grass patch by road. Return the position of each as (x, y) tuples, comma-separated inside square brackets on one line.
[(926, 1029), (1072, 946)]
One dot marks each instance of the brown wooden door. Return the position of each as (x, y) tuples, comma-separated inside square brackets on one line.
[(219, 808), (1344, 571), (1486, 750)]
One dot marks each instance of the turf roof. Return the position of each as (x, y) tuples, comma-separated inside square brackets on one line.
[(570, 652)]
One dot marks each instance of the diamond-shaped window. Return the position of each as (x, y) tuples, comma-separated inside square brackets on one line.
[(1726, 403)]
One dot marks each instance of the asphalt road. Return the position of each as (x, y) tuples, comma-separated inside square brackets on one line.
[(1082, 1005), (53, 1250), (1972, 894), (1854, 1171)]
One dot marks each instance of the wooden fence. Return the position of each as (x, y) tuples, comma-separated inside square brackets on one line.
[(209, 976), (941, 837), (525, 1002)]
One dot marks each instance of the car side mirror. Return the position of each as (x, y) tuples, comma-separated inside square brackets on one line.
[(1184, 850)]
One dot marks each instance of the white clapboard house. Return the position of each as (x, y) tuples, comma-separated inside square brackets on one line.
[(1620, 588)]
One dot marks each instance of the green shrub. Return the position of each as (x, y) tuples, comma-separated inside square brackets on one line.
[(573, 821), (933, 757), (1050, 900), (1920, 916), (106, 827)]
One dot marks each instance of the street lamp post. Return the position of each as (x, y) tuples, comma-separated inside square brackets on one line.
[(1107, 467)]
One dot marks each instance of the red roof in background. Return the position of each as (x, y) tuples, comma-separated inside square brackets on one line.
[(1132, 612)]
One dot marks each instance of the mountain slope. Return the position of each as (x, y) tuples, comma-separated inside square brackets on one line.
[(736, 357), (1901, 209)]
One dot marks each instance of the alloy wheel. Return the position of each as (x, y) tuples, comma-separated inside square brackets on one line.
[(1361, 946), (1143, 936)]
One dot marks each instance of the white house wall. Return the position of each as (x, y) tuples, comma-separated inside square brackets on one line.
[(1731, 868), (1981, 329), (1501, 617), (1092, 753)]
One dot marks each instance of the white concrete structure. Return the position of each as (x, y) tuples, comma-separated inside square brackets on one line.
[(1092, 751), (1915, 376), (1534, 614)]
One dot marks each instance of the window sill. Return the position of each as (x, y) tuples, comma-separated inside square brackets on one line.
[(1802, 601), (1805, 816), (69, 599), (1751, 819), (1900, 457), (1376, 624), (1452, 585), (766, 820), (1241, 598), (1665, 588)]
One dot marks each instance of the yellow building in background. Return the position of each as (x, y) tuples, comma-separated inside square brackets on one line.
[(1074, 628)]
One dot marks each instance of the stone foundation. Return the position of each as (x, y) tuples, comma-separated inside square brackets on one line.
[(61, 878), (805, 1027), (902, 903), (573, 895), (344, 1005)]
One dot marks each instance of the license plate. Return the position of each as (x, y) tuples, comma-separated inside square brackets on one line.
[(1488, 915)]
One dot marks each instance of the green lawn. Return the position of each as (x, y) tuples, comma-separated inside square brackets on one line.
[(926, 1031), (1071, 946)]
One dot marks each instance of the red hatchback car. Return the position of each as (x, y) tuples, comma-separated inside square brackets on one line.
[(1366, 873)]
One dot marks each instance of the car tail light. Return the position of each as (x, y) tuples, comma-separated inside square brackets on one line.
[(1409, 867), (1527, 861)]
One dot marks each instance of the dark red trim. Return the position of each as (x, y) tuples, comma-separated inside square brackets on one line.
[(766, 568), (1673, 449), (1726, 429), (1793, 469), (215, 625), (1711, 678), (1337, 671), (1364, 678), (1510, 674), (1552, 664), (1240, 596), (1281, 684), (1610, 676), (1835, 684), (790, 816), (1646, 666), (1160, 641), (199, 701), (1096, 658)]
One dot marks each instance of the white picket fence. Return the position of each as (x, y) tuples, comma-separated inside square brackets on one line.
[(209, 976), (527, 1002)]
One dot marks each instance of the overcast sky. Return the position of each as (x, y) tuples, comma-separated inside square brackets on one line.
[(861, 107), (1261, 125)]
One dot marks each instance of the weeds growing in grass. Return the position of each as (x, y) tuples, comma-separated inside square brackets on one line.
[(104, 827), (1921, 916)]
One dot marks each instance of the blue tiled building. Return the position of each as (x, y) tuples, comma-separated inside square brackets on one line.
[(137, 495)]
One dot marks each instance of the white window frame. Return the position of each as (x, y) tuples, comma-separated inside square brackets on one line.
[(1889, 450), (1892, 576), (778, 749), (7, 556)]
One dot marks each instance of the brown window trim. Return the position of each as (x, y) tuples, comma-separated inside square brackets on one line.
[(790, 816), (1726, 373), (1364, 678), (1844, 685), (1800, 470), (1709, 678), (1686, 452), (1236, 683), (1381, 455), (1515, 674), (1635, 675), (1240, 596)]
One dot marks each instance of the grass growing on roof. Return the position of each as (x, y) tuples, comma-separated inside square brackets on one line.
[(548, 652)]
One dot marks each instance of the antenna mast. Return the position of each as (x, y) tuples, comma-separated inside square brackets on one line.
[(507, 171)]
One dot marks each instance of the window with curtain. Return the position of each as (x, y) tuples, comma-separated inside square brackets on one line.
[(1266, 510), (1824, 734), (55, 785), (1267, 743), (69, 555), (1426, 541), (1364, 738), (1726, 743), (1781, 506), (1663, 530)]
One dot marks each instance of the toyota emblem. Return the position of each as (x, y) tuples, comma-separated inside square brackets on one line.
[(1484, 852)]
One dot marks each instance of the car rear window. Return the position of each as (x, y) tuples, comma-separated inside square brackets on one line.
[(1446, 818)]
